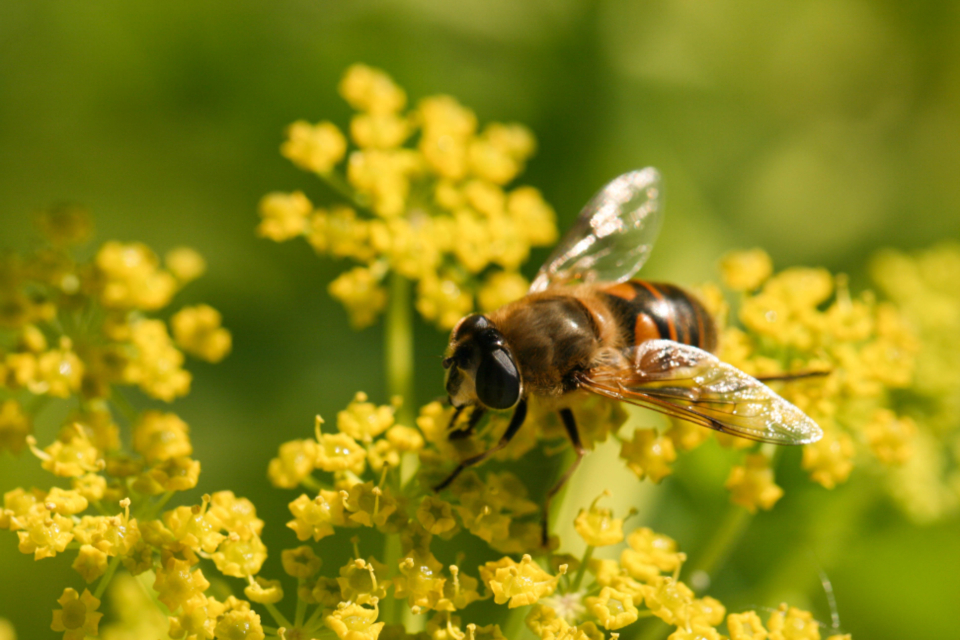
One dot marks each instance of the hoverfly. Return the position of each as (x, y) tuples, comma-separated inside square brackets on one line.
[(585, 326)]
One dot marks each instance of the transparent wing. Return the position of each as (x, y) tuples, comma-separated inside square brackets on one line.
[(688, 383), (613, 235)]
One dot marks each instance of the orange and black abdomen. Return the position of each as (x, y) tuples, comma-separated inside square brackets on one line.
[(650, 310)]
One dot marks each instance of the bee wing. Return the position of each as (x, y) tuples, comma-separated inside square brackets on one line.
[(691, 384), (613, 235)]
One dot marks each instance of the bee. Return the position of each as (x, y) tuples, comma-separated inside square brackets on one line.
[(586, 327)]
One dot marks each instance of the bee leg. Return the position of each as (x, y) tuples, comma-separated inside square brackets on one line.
[(475, 417), (519, 415), (570, 424)]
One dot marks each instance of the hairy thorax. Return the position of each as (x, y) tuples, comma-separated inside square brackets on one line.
[(553, 336)]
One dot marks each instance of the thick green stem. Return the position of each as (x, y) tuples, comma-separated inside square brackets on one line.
[(398, 359), (398, 345)]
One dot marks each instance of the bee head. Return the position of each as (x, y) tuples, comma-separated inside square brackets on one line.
[(480, 367)]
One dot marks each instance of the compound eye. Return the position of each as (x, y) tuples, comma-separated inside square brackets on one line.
[(498, 381)]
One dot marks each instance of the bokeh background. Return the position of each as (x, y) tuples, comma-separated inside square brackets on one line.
[(818, 129)]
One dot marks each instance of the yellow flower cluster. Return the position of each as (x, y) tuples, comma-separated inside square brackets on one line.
[(437, 211), (925, 442), (564, 601)]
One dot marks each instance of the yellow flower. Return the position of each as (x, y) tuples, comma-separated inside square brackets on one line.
[(358, 581), (419, 580), (14, 426), (379, 130), (197, 331), (301, 562), (194, 527), (829, 460), (316, 518), (520, 583), (443, 301), (383, 177), (264, 591), (185, 264), (360, 292), (316, 148), (130, 278), (669, 600), (436, 516), (295, 461), (157, 369), (160, 436), (752, 486), (235, 515), (613, 609), (65, 502), (44, 535), (239, 625), (745, 270), (363, 420), (746, 626), (458, 592), (284, 215), (79, 616), (59, 372), (370, 89), (198, 619), (175, 474), (792, 624), (90, 563), (890, 437), (340, 452), (648, 454), (598, 527), (72, 455), (355, 622), (240, 558), (534, 218), (175, 583), (650, 554)]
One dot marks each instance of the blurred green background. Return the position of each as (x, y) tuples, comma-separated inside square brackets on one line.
[(820, 130)]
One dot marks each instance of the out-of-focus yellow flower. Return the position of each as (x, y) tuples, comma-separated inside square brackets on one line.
[(369, 89), (130, 277), (669, 600), (14, 426), (613, 609), (284, 215), (197, 331), (520, 583), (830, 459), (79, 616), (436, 516), (598, 527), (746, 626), (745, 270), (890, 438), (90, 563), (443, 301), (295, 461), (751, 485), (314, 147), (650, 554), (500, 288), (361, 293), (160, 436), (185, 264), (71, 455), (649, 454), (157, 369), (792, 624), (65, 224)]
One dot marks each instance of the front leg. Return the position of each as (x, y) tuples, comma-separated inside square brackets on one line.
[(519, 415)]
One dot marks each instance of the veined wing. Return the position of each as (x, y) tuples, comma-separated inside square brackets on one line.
[(691, 384), (613, 235)]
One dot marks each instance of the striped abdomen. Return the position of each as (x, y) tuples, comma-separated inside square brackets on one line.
[(650, 310)]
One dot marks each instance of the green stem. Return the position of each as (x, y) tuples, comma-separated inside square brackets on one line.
[(123, 405), (301, 606), (278, 617), (338, 184), (107, 577), (583, 568), (391, 552), (398, 344)]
